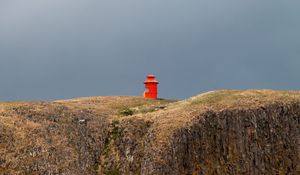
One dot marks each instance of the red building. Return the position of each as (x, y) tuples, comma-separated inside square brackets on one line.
[(152, 85)]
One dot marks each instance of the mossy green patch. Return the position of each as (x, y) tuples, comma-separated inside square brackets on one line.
[(211, 97), (126, 112)]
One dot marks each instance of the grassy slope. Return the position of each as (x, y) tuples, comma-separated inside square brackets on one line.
[(38, 136), (24, 126), (181, 113)]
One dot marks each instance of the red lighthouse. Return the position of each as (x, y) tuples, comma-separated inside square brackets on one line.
[(151, 84)]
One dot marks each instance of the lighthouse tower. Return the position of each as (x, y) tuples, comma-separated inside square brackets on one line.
[(152, 85)]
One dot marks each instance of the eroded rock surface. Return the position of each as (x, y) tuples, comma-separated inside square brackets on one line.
[(222, 132)]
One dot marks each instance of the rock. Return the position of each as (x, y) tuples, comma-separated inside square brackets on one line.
[(223, 132)]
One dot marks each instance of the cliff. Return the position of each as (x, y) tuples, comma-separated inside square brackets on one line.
[(219, 132)]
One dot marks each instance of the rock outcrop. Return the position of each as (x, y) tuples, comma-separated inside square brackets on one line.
[(222, 132)]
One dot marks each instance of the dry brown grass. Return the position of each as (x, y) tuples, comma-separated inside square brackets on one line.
[(180, 114), (56, 125)]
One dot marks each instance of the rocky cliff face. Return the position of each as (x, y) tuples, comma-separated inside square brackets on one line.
[(222, 132), (257, 141)]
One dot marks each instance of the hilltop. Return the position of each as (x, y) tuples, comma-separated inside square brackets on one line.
[(219, 132)]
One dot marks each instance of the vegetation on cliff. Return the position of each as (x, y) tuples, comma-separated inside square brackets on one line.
[(219, 132)]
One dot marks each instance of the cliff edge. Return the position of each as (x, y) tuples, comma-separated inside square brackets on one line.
[(219, 132)]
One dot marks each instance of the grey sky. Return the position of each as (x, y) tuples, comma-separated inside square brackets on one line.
[(53, 49)]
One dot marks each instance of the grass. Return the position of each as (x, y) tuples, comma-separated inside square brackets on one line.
[(112, 172), (20, 132), (109, 149), (113, 135), (212, 97), (126, 112)]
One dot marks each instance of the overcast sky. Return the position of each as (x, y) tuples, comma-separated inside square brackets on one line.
[(55, 49)]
